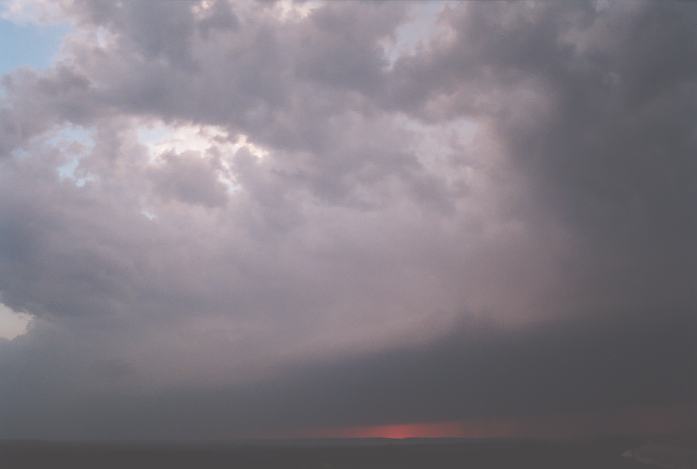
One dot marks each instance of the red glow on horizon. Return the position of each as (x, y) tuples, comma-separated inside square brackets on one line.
[(405, 430), (629, 421)]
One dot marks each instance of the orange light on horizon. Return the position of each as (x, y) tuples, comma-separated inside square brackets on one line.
[(642, 420), (405, 430)]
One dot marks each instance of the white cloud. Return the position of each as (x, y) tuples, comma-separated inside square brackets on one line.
[(12, 324), (161, 138), (34, 11)]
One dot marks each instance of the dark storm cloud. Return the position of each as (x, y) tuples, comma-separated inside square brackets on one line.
[(498, 222), (601, 125), (476, 371)]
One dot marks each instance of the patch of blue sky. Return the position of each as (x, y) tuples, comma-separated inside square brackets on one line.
[(70, 134), (67, 137), (29, 45), (68, 172)]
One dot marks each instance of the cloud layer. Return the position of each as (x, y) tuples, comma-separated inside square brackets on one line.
[(255, 218)]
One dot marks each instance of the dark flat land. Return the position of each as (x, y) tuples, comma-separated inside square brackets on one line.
[(322, 455)]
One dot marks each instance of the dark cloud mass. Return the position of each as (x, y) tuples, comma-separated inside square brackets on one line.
[(260, 218)]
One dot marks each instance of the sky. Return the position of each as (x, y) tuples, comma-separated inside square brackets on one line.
[(230, 219), (28, 45)]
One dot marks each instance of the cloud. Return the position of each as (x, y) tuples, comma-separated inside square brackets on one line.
[(285, 221), (12, 324)]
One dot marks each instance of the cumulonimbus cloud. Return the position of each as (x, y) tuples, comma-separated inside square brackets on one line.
[(497, 220)]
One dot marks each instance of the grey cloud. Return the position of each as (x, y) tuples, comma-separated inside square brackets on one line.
[(530, 165), (190, 178), (592, 103), (34, 103), (156, 29), (558, 369)]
